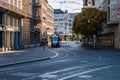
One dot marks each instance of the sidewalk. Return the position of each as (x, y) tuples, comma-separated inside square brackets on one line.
[(101, 47), (24, 56)]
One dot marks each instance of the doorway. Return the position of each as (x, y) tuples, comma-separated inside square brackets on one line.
[(0, 39)]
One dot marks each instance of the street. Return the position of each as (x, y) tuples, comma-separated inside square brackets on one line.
[(70, 62)]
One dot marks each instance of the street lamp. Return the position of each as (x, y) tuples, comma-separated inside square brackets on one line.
[(66, 22), (46, 34), (65, 30), (93, 38), (118, 13), (88, 21), (86, 39)]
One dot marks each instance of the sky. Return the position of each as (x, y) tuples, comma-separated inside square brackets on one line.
[(72, 6)]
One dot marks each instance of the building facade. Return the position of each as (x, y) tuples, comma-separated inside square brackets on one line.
[(62, 23), (88, 3), (27, 6), (38, 23), (111, 30), (23, 23), (50, 22), (31, 33), (11, 14), (46, 13), (43, 13), (72, 17)]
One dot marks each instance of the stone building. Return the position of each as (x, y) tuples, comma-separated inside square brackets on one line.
[(27, 7), (43, 13), (88, 3), (11, 14), (50, 22), (47, 19), (31, 33), (23, 23), (111, 30), (38, 23)]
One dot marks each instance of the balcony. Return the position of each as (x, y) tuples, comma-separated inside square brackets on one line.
[(37, 19), (37, 5), (1, 27), (13, 9), (35, 31)]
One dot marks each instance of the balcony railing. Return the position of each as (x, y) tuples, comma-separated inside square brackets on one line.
[(37, 5), (11, 8), (37, 19), (1, 27)]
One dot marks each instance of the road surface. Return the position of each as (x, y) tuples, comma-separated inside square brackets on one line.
[(72, 62)]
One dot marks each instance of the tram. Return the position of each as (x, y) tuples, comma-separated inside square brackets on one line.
[(55, 41)]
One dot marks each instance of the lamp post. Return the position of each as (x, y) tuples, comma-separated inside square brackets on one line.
[(94, 41), (93, 38), (66, 21), (87, 39), (88, 21), (46, 36), (65, 31), (118, 13)]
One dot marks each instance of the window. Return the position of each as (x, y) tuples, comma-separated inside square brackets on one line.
[(15, 2), (6, 0), (89, 2), (11, 21), (0, 18), (19, 22), (60, 32), (37, 1), (16, 22), (61, 19), (11, 1), (55, 19), (19, 4), (55, 38), (6, 20)]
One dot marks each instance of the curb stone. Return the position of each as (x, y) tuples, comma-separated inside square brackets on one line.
[(27, 61)]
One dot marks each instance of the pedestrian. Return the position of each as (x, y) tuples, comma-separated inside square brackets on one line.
[(44, 43)]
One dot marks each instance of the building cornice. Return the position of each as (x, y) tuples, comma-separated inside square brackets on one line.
[(7, 7)]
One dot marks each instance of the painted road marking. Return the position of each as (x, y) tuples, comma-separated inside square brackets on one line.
[(44, 79), (59, 61), (62, 70), (83, 61), (56, 54), (24, 74), (68, 69), (85, 72), (30, 78), (48, 76), (85, 76)]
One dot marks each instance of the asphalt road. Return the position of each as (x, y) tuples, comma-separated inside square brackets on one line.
[(72, 62)]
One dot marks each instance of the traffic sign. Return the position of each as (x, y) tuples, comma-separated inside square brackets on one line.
[(94, 38)]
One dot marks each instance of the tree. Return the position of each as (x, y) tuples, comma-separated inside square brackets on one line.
[(74, 35), (89, 21)]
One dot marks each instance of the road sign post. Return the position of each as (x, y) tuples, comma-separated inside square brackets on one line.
[(94, 41)]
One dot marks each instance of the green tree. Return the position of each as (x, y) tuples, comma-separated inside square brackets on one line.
[(74, 35), (89, 21)]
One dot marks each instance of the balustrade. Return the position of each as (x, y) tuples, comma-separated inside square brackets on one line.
[(11, 8)]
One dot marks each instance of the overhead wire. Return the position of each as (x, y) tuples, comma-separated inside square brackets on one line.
[(64, 2)]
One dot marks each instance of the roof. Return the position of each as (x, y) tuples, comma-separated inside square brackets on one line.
[(58, 11)]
